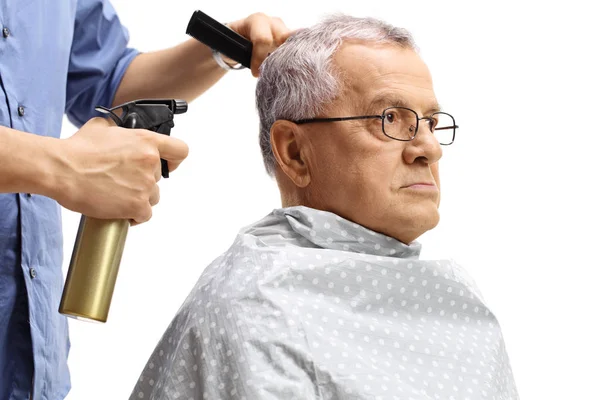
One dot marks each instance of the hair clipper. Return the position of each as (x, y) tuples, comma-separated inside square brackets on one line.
[(220, 38)]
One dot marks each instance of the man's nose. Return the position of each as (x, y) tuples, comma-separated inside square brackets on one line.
[(425, 145)]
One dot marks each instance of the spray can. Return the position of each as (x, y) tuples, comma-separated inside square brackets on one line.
[(99, 244)]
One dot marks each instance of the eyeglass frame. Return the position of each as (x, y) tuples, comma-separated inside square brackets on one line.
[(382, 117)]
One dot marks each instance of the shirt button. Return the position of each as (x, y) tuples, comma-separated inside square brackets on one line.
[(6, 32), (21, 111), (33, 272)]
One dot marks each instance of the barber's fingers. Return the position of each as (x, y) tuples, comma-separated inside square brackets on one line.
[(172, 149), (154, 196), (144, 215), (263, 42), (158, 172), (266, 34), (145, 210), (280, 31)]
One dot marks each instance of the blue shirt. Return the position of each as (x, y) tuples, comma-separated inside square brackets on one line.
[(56, 57)]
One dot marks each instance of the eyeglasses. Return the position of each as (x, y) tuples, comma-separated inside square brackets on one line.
[(401, 123)]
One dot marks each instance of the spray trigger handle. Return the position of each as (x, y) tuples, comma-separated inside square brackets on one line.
[(151, 114)]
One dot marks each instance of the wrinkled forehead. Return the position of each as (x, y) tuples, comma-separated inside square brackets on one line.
[(374, 76)]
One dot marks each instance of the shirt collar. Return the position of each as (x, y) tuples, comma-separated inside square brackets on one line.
[(330, 231)]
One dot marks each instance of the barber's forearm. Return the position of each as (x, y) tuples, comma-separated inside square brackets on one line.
[(183, 72), (27, 162)]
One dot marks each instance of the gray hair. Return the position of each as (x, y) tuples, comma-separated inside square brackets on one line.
[(297, 80)]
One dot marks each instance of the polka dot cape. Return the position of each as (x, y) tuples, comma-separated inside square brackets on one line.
[(308, 305)]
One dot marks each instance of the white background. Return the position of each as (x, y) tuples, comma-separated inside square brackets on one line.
[(520, 205)]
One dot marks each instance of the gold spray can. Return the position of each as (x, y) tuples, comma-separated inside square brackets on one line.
[(93, 269), (99, 245)]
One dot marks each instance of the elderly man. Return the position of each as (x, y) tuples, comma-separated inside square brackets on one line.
[(326, 297)]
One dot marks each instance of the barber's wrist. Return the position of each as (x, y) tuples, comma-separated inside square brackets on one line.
[(53, 179), (36, 167)]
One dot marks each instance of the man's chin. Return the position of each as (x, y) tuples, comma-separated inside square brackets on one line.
[(408, 227), (428, 218)]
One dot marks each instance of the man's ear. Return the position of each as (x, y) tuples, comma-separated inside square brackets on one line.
[(287, 144)]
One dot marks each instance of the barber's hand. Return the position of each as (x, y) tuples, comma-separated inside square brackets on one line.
[(112, 173), (266, 34)]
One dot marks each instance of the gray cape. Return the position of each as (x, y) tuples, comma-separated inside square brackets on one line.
[(308, 305)]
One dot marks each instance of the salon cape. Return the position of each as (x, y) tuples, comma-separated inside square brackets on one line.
[(308, 305)]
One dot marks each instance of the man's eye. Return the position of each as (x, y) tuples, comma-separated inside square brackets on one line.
[(391, 117)]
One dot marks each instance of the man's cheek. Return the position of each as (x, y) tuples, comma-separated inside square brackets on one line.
[(436, 173)]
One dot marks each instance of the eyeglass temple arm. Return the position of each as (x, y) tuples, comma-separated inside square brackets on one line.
[(447, 127), (303, 121)]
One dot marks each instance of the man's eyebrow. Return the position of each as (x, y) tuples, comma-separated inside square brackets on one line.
[(389, 100)]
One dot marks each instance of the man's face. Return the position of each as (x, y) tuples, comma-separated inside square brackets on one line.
[(356, 171)]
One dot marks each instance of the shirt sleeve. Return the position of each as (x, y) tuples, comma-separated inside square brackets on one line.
[(99, 58)]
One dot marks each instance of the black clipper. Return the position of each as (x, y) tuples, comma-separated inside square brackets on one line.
[(220, 38)]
